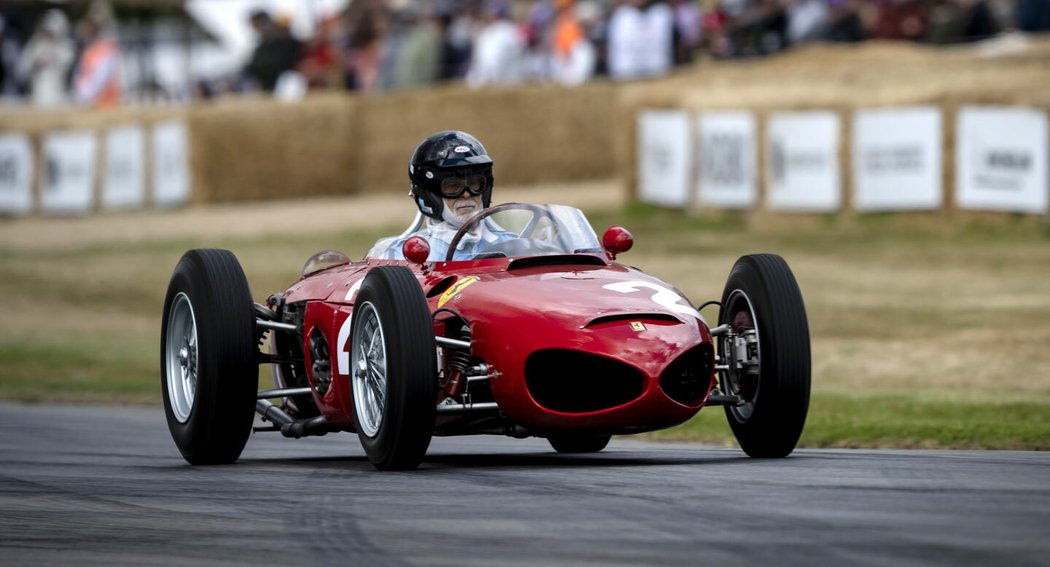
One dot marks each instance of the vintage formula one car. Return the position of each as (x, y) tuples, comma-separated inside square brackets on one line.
[(539, 333)]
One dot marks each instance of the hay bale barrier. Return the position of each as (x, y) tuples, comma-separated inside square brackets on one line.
[(344, 144), (264, 150)]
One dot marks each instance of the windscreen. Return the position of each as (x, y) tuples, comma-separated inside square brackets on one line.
[(515, 230)]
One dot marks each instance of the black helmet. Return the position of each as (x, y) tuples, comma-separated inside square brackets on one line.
[(447, 154)]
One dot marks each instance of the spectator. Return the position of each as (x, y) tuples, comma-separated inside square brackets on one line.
[(980, 21), (626, 36), (759, 30), (498, 52), (572, 56), (657, 47), (8, 59), (47, 58), (946, 23), (844, 24), (595, 30), (96, 81), (806, 20), (276, 52), (539, 32), (899, 19), (322, 62), (687, 27), (419, 57), (1033, 15), (714, 29), (458, 40)]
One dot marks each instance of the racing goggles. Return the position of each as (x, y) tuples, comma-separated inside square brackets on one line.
[(452, 187)]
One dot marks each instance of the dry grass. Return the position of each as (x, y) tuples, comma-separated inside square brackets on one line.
[(927, 330)]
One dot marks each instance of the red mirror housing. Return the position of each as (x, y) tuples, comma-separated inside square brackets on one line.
[(416, 249), (617, 240)]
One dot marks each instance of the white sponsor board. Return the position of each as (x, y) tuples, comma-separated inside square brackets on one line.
[(16, 174), (68, 180), (664, 150), (124, 183), (1001, 159), (171, 172), (802, 162), (897, 159), (727, 176)]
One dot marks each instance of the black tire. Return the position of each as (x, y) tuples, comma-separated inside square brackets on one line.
[(209, 368), (578, 443), (396, 432), (762, 288)]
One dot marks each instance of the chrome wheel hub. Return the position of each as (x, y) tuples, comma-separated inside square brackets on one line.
[(180, 354), (368, 364)]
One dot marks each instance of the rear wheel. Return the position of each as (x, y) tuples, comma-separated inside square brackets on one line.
[(393, 366), (768, 355), (209, 372), (578, 443)]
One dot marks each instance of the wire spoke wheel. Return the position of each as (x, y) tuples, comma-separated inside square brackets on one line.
[(393, 368), (369, 370), (180, 354), (208, 358)]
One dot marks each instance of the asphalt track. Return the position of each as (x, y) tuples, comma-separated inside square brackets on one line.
[(106, 486)]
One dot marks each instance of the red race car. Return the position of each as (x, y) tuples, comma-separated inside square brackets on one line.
[(539, 333)]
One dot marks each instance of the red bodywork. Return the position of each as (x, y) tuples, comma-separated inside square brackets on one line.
[(552, 308)]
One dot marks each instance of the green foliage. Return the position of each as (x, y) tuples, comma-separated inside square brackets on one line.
[(930, 420)]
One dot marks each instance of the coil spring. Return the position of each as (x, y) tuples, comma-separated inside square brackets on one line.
[(461, 360)]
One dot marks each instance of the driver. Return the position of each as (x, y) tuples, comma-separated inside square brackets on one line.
[(451, 176)]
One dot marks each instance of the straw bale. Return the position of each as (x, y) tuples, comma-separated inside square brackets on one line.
[(535, 134), (342, 144), (263, 149)]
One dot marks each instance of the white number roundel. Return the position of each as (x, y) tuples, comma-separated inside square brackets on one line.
[(664, 297)]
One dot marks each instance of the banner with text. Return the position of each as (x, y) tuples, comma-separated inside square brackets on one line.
[(1001, 159), (171, 171), (802, 161), (664, 151), (16, 174), (727, 160), (124, 184), (68, 182), (897, 159)]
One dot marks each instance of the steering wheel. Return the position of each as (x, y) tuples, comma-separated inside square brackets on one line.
[(521, 246)]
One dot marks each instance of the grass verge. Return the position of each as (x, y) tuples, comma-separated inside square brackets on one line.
[(928, 330)]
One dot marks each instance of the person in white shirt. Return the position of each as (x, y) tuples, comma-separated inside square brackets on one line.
[(626, 34), (498, 50), (46, 60)]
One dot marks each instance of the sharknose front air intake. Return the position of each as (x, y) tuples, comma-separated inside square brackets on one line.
[(570, 381)]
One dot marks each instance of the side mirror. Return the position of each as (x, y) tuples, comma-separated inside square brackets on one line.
[(617, 240), (416, 249)]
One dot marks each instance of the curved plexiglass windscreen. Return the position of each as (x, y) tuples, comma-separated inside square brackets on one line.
[(514, 230)]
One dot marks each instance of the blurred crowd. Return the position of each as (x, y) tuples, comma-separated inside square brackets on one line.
[(384, 45), (378, 45), (58, 64)]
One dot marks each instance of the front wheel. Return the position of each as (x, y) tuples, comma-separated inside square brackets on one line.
[(209, 371), (393, 369), (767, 355)]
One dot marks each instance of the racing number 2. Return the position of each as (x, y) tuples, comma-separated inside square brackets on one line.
[(663, 297)]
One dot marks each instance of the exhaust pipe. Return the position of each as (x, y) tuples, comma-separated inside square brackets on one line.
[(291, 427)]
